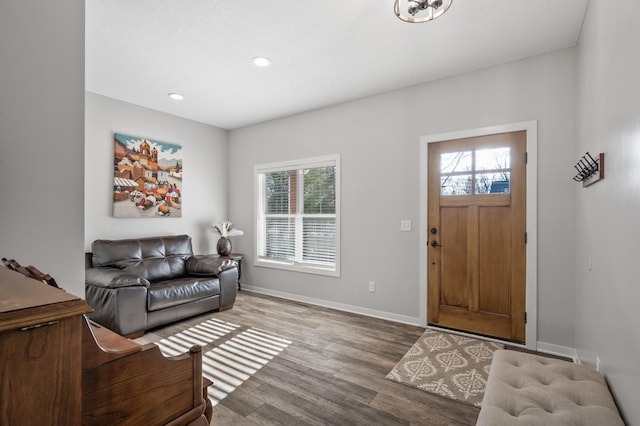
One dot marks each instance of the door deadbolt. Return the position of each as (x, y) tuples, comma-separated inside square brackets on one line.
[(434, 231)]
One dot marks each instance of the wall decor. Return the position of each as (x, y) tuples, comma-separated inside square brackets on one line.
[(147, 178), (590, 170)]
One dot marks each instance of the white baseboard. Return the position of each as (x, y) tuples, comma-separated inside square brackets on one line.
[(389, 316), (548, 348)]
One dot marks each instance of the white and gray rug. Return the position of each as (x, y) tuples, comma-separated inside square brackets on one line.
[(448, 365)]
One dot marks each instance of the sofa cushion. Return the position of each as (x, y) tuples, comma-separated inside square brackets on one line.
[(154, 258), (174, 292)]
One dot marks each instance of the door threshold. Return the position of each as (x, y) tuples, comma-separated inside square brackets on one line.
[(476, 335)]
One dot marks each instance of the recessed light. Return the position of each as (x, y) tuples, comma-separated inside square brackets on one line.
[(261, 61), (176, 96)]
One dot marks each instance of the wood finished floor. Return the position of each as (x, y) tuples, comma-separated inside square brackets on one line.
[(333, 372)]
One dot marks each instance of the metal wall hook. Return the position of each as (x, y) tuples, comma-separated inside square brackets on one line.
[(590, 170)]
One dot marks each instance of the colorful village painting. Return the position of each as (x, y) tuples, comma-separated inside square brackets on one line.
[(147, 178)]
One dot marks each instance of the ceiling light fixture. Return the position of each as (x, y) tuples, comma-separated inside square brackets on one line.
[(176, 96), (415, 11), (261, 61)]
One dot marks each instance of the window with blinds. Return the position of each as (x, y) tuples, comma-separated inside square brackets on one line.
[(297, 215)]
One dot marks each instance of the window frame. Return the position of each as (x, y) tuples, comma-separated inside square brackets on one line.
[(298, 164)]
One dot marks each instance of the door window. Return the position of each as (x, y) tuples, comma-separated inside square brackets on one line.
[(481, 171)]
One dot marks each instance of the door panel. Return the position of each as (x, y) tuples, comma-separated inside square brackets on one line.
[(454, 255), (477, 235), (493, 250)]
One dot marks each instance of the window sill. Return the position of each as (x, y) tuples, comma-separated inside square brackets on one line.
[(306, 269)]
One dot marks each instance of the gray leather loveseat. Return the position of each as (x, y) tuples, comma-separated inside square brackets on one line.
[(138, 284)]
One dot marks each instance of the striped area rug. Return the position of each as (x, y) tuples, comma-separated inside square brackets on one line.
[(448, 365)]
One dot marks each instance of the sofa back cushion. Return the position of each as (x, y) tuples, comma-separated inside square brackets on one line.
[(154, 258)]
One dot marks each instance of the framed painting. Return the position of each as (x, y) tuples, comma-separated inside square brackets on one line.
[(147, 178)]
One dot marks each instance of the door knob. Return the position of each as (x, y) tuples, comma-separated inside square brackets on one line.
[(434, 243)]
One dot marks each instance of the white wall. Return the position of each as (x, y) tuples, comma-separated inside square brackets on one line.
[(378, 138), (41, 137), (608, 212), (205, 180)]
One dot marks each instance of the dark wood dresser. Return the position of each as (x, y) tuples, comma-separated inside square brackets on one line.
[(40, 352)]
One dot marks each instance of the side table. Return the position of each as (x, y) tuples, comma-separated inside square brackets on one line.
[(238, 258)]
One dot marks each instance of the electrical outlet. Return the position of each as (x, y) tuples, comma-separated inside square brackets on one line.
[(405, 225), (372, 286), (598, 364), (590, 265)]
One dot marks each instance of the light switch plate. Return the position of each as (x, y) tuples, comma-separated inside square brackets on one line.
[(405, 225)]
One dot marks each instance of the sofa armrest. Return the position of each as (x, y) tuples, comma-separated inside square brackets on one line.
[(208, 265), (118, 299), (228, 285), (113, 278), (225, 269)]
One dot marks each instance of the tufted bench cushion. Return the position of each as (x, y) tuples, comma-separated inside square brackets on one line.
[(526, 389)]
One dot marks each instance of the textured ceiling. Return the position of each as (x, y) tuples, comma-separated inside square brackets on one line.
[(323, 52)]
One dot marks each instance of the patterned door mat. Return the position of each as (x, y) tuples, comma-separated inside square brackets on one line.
[(447, 364)]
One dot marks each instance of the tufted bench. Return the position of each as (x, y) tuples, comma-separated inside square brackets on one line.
[(526, 389)]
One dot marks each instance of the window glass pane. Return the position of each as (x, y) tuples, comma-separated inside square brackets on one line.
[(320, 190), (493, 159), (455, 162), (455, 185), (319, 240), (493, 183), (278, 191), (280, 238)]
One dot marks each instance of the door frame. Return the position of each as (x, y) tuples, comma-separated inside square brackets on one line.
[(531, 127)]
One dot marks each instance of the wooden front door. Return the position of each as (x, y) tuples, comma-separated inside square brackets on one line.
[(476, 225)]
